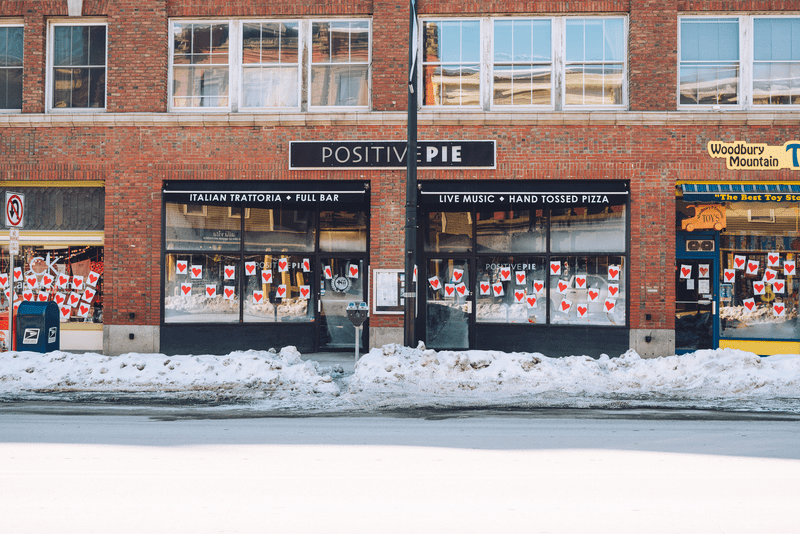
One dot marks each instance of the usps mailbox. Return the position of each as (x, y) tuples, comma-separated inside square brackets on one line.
[(38, 328)]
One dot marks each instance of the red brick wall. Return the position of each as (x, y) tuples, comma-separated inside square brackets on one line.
[(653, 55)]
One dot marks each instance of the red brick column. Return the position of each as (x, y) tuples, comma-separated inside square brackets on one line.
[(653, 55)]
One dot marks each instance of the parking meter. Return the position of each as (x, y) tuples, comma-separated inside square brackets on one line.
[(357, 313)]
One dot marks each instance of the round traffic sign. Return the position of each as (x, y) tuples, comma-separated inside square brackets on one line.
[(14, 210)]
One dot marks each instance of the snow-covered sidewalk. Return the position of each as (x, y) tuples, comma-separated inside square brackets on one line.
[(394, 377)]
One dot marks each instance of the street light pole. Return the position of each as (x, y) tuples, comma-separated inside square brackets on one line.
[(410, 296)]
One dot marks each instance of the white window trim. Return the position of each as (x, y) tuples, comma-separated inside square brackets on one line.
[(49, 77), (15, 24), (555, 44), (746, 64), (308, 49), (558, 73)]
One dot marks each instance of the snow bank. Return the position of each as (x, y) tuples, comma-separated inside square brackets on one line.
[(722, 373), (272, 374)]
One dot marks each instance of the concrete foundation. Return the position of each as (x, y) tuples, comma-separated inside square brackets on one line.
[(117, 339), (381, 336), (661, 343)]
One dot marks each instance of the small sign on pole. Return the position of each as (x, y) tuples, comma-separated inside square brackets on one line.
[(13, 241), (15, 210)]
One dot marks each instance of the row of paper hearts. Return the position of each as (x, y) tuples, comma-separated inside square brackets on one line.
[(229, 292), (778, 308), (196, 271), (498, 290), (62, 281), (741, 263), (504, 275)]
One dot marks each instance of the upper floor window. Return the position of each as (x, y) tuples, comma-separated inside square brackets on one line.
[(11, 67), (554, 62), (258, 65), (77, 66), (739, 62)]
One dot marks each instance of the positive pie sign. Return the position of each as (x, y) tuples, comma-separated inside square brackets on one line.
[(15, 209)]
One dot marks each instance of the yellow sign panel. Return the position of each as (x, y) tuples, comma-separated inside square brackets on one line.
[(756, 156), (706, 216)]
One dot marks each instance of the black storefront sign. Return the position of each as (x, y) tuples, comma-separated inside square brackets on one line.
[(260, 194), (391, 154), (526, 194)]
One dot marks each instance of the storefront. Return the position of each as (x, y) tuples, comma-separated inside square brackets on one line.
[(61, 258), (537, 265), (260, 264), (737, 248)]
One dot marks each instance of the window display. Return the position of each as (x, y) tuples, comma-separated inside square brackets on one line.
[(512, 289)]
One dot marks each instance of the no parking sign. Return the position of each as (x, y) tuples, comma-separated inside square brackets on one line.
[(15, 210)]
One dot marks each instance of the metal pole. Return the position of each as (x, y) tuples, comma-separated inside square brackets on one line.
[(9, 341), (358, 333), (410, 294)]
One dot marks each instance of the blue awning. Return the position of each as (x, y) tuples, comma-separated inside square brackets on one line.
[(741, 192)]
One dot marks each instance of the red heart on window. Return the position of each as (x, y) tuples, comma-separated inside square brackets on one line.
[(32, 281), (769, 276), (538, 287), (609, 306), (519, 295), (565, 305), (186, 288), (59, 298), (84, 310), (773, 259), (593, 294), (62, 280), (47, 280), (282, 264), (448, 290), (703, 271), (750, 305), (778, 309), (778, 286), (92, 278), (3, 280), (228, 272), (613, 290), (759, 287), (582, 310), (555, 266), (739, 261), (461, 289), (752, 266), (788, 266), (729, 276), (258, 296), (306, 265), (73, 298), (281, 291), (250, 268), (181, 267), (520, 278), (197, 272), (228, 292), (353, 270), (435, 283), (43, 297), (613, 273), (266, 277), (505, 274), (562, 286), (498, 288), (456, 275), (685, 271), (27, 295), (65, 311), (484, 288), (211, 291), (580, 281), (304, 291), (531, 301)]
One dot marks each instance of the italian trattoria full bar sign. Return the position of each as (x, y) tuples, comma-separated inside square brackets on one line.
[(391, 154), (756, 156)]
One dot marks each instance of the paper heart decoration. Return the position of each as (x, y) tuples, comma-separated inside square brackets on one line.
[(457, 275), (266, 276), (703, 271), (77, 283), (8, 292), (773, 259), (758, 288), (778, 309), (685, 272), (565, 305), (229, 272), (738, 261), (32, 282), (327, 272), (186, 289), (538, 285), (63, 281), (305, 291), (250, 268), (65, 311), (43, 296), (613, 289), (197, 271), (434, 282), (498, 290), (752, 266), (73, 299), (180, 266), (485, 289), (415, 273), (353, 272), (283, 265), (519, 296), (505, 275), (228, 292), (769, 274), (729, 274), (281, 290), (449, 289), (749, 304), (520, 277), (788, 267), (59, 298), (258, 296), (306, 265), (211, 291), (461, 289), (610, 304), (27, 295), (88, 295), (4, 280), (555, 267), (562, 286), (83, 310), (593, 295), (778, 286), (531, 301), (582, 311), (613, 273), (93, 278), (580, 282), (17, 274), (46, 280)]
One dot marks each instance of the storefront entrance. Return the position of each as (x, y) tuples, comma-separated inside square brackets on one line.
[(696, 291), (341, 282)]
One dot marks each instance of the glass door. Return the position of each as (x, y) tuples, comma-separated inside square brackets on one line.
[(448, 304), (695, 306), (342, 280)]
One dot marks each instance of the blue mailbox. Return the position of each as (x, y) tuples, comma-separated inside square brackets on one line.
[(38, 329)]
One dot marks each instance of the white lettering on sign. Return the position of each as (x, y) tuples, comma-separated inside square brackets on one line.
[(431, 154)]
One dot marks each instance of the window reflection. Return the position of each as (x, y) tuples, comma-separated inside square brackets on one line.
[(588, 229), (279, 230), (343, 230), (448, 231), (709, 69), (340, 63), (512, 231), (451, 63), (511, 289)]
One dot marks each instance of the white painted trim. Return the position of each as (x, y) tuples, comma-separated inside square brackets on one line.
[(52, 24)]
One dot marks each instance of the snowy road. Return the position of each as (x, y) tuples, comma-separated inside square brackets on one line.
[(97, 471)]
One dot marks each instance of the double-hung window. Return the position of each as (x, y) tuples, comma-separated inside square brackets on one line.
[(259, 65), (11, 67), (739, 62), (557, 63), (77, 66)]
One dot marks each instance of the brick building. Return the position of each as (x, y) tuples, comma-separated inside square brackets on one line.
[(594, 175)]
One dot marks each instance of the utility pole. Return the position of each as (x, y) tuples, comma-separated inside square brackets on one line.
[(410, 295)]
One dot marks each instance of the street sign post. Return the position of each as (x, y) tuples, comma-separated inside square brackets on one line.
[(15, 219), (15, 210)]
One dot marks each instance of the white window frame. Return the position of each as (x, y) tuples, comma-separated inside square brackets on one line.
[(554, 45), (751, 67), (15, 24), (558, 73), (308, 64), (50, 76), (238, 104)]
